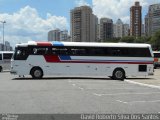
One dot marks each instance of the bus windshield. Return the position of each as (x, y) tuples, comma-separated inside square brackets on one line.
[(21, 53), (157, 55)]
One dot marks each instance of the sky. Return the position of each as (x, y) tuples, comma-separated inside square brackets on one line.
[(28, 20)]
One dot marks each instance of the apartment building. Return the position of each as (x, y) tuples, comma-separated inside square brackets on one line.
[(118, 29), (152, 19), (54, 35), (135, 20), (106, 29), (125, 30), (58, 35), (83, 24)]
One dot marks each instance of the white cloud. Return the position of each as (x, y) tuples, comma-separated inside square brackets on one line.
[(26, 25), (117, 8), (81, 3)]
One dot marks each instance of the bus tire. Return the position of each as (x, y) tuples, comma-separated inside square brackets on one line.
[(118, 74), (36, 73), (1, 69)]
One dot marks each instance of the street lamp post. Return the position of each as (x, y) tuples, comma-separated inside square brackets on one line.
[(3, 22)]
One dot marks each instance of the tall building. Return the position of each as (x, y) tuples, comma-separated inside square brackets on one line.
[(135, 20), (146, 19), (125, 30), (83, 24), (64, 35), (6, 46), (142, 30), (98, 33), (106, 29), (118, 29), (1, 47), (152, 19), (58, 35), (54, 35), (95, 28)]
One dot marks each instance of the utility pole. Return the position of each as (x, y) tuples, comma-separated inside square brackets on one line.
[(3, 22)]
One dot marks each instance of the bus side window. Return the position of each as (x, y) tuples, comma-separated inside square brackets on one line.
[(7, 56), (35, 51), (63, 51), (0, 56), (78, 51), (81, 52), (114, 52), (157, 55), (100, 52), (40, 51), (60, 51), (53, 51), (46, 51)]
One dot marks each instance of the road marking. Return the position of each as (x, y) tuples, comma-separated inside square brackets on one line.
[(117, 88), (78, 87), (152, 101), (130, 102), (126, 94), (121, 101), (142, 84), (97, 94), (81, 88), (74, 84)]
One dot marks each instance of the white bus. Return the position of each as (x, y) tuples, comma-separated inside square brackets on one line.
[(5, 60), (116, 60)]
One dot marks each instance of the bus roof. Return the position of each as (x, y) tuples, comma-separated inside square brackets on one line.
[(86, 44)]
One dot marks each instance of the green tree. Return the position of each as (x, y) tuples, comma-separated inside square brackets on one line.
[(112, 40), (128, 39), (155, 40), (142, 39)]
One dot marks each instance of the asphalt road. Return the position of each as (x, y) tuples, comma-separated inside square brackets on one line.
[(77, 95)]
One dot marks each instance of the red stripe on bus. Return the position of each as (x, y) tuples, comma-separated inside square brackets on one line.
[(51, 58), (44, 44)]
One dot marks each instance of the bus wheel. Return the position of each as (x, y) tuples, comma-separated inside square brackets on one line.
[(1, 68), (36, 73), (118, 74)]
